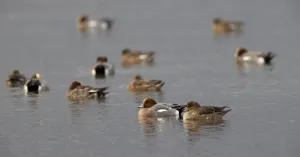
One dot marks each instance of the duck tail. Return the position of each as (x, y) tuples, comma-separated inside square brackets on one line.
[(269, 57), (180, 109), (222, 113), (151, 53), (160, 84), (101, 92)]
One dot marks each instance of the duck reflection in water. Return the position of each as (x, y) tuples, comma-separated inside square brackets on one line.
[(245, 68)]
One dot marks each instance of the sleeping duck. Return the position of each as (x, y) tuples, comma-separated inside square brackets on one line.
[(103, 68), (150, 108), (103, 23), (138, 84), (137, 57), (78, 91), (16, 79), (193, 111), (226, 26), (242, 55)]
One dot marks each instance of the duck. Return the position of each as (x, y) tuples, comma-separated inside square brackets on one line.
[(193, 111), (16, 79), (150, 108), (138, 84), (137, 57), (102, 67), (105, 23), (34, 85), (242, 55), (78, 91), (226, 26)]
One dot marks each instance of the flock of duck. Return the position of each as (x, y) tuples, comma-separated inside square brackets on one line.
[(149, 108)]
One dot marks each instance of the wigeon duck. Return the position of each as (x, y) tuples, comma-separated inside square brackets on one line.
[(138, 84), (104, 23), (150, 108), (226, 26), (77, 91), (103, 68), (34, 85), (15, 79), (243, 55), (193, 111), (137, 57)]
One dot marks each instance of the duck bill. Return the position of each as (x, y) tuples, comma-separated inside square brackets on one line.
[(141, 106)]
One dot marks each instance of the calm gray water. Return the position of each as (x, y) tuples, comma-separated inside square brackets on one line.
[(41, 36)]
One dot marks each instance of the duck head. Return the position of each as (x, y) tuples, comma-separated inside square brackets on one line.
[(137, 77), (102, 59), (240, 51), (36, 76), (74, 85), (15, 72), (192, 105), (126, 51), (148, 103), (83, 19), (217, 20)]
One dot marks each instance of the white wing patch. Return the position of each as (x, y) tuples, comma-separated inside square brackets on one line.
[(93, 91)]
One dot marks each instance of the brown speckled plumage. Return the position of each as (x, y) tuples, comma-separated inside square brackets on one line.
[(77, 91), (196, 112), (15, 79), (138, 84)]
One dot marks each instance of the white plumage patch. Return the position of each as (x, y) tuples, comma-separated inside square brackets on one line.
[(104, 25), (93, 91), (246, 58), (25, 89), (162, 110), (261, 60), (143, 56), (93, 23), (93, 72)]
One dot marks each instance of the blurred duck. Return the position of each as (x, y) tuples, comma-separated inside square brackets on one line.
[(138, 84), (103, 68), (34, 85), (226, 26), (77, 91), (104, 23), (258, 57), (15, 79), (193, 111), (137, 57), (150, 108)]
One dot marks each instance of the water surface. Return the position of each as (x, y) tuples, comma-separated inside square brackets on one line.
[(41, 36)]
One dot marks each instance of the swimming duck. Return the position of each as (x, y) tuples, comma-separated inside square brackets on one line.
[(137, 57), (226, 26), (138, 84), (34, 85), (104, 23), (193, 111), (150, 108), (243, 55), (78, 91), (102, 67), (15, 79)]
